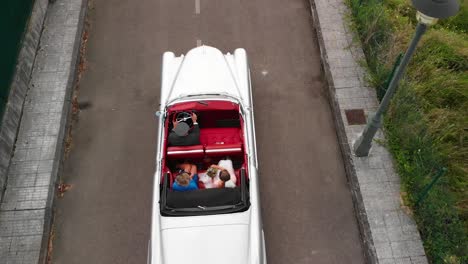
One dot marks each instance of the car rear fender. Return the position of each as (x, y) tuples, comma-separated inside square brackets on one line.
[(256, 229), (155, 253)]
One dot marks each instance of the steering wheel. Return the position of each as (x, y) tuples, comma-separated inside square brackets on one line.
[(184, 116)]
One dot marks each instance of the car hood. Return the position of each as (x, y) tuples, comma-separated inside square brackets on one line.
[(204, 70), (215, 244)]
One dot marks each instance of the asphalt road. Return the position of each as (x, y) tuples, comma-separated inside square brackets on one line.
[(307, 208)]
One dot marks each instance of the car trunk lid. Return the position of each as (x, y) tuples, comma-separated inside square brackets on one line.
[(226, 244)]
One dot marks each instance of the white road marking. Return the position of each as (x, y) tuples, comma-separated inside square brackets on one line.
[(199, 43), (197, 7), (264, 72)]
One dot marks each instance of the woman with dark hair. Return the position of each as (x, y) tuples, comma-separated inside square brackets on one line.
[(226, 175)]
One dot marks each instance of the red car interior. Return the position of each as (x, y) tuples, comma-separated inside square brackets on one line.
[(221, 135)]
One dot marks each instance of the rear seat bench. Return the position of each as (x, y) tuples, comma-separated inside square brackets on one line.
[(214, 142)]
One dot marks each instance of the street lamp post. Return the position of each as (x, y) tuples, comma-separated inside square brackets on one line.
[(429, 11)]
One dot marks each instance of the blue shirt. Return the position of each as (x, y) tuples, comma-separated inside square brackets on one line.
[(193, 185)]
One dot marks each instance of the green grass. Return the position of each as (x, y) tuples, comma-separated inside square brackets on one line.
[(427, 123)]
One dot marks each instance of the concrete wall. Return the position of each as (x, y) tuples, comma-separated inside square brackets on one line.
[(19, 88)]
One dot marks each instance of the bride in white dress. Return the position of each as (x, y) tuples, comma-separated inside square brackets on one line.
[(223, 168)]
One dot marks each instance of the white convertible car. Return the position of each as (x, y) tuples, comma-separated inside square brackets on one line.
[(207, 225)]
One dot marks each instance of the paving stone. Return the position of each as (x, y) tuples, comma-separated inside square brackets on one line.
[(410, 230), (29, 180), (351, 90), (406, 219), (393, 176), (22, 257), (50, 63), (402, 261), (383, 250), (379, 235), (376, 162), (382, 204), (392, 188), (376, 220), (392, 219), (355, 103), (399, 249), (415, 248), (25, 198), (21, 215), (42, 77), (396, 234), (419, 260), (370, 190), (20, 167), (5, 243), (45, 166), (23, 227), (26, 243), (387, 261), (372, 176), (371, 104)]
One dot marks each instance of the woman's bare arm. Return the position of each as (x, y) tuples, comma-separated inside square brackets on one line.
[(193, 169)]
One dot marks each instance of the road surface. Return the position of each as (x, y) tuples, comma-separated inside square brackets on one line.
[(307, 208)]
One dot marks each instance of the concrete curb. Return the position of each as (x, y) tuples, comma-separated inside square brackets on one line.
[(64, 123), (360, 212), (26, 208), (19, 88), (389, 234)]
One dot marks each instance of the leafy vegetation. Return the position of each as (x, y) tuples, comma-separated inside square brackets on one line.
[(427, 123)]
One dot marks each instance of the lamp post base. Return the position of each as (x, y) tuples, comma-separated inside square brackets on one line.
[(363, 144)]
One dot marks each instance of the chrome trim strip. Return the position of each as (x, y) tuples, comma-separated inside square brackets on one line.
[(223, 150), (184, 151)]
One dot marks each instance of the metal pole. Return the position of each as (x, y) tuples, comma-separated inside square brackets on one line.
[(364, 142), (387, 82)]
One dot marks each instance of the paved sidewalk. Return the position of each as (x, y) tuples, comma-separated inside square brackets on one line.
[(390, 234), (26, 207)]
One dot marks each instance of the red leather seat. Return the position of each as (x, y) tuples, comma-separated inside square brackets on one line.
[(195, 151), (227, 135), (221, 141)]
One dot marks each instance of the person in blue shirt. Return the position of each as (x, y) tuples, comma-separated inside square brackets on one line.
[(187, 179), (183, 182)]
